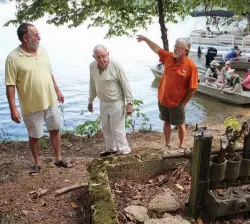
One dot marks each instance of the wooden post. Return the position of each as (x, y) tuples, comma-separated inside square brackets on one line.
[(200, 173), (246, 147)]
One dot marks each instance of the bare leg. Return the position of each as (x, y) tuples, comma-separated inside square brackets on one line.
[(167, 132), (182, 133), (55, 139), (34, 147)]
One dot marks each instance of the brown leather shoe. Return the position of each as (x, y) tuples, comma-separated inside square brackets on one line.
[(106, 153)]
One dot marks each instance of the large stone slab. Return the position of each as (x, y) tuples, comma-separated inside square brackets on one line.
[(163, 202), (168, 219), (101, 171), (137, 213)]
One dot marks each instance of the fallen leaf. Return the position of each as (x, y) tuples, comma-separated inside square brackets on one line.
[(179, 187), (199, 221), (150, 181), (74, 205), (42, 192), (44, 204), (25, 212), (137, 156)]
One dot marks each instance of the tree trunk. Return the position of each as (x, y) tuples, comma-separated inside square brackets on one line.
[(164, 30)]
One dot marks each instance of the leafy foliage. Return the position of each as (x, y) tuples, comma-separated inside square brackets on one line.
[(130, 121), (91, 128), (238, 6), (232, 123), (43, 143), (123, 17)]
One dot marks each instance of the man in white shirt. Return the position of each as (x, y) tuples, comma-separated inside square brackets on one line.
[(109, 83)]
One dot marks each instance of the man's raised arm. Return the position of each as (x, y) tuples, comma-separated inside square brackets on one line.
[(154, 47)]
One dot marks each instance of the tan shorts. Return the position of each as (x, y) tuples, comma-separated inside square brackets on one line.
[(34, 122)]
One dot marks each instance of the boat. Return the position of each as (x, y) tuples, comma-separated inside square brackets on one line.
[(223, 32), (236, 98), (223, 44), (219, 22), (237, 65), (158, 70), (242, 63)]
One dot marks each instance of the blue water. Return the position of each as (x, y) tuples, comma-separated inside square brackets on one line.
[(70, 52)]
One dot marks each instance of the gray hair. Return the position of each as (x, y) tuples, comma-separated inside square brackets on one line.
[(99, 47), (185, 42)]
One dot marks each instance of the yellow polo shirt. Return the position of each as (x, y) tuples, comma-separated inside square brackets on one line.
[(31, 75)]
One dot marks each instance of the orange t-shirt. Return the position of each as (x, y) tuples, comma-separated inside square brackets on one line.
[(177, 80)]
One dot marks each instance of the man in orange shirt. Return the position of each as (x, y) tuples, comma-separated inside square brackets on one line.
[(177, 86)]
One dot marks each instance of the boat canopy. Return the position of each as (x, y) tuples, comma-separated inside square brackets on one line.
[(221, 13)]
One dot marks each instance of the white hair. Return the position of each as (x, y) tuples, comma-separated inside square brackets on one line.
[(185, 42), (99, 47)]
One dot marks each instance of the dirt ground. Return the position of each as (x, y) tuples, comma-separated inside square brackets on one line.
[(19, 202)]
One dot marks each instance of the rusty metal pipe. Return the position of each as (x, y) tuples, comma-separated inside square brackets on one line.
[(187, 156)]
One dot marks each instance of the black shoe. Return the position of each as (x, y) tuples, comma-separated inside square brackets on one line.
[(106, 153)]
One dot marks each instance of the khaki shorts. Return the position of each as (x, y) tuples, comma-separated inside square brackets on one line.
[(173, 115), (34, 121)]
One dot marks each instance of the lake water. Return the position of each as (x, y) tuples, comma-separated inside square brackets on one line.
[(70, 52)]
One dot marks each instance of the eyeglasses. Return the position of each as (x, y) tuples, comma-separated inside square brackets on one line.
[(178, 47), (37, 35), (99, 57)]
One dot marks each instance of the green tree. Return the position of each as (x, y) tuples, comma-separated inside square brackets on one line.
[(240, 7), (123, 17)]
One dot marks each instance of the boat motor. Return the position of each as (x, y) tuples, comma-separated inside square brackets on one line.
[(211, 54)]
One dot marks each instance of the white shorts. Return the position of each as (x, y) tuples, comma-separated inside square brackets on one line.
[(34, 121)]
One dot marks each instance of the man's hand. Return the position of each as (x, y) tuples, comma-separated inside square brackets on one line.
[(129, 109), (183, 104), (141, 38), (15, 116), (90, 107), (60, 97)]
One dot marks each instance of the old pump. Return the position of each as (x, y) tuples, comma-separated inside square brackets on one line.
[(220, 178)]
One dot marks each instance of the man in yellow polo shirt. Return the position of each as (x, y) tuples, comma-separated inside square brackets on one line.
[(28, 70)]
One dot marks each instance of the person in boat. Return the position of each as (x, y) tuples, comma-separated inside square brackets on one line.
[(212, 74), (233, 84), (224, 74), (246, 81), (233, 54), (177, 86)]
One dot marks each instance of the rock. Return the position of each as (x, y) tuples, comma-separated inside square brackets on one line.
[(168, 218), (31, 214), (163, 202), (25, 212), (138, 213)]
